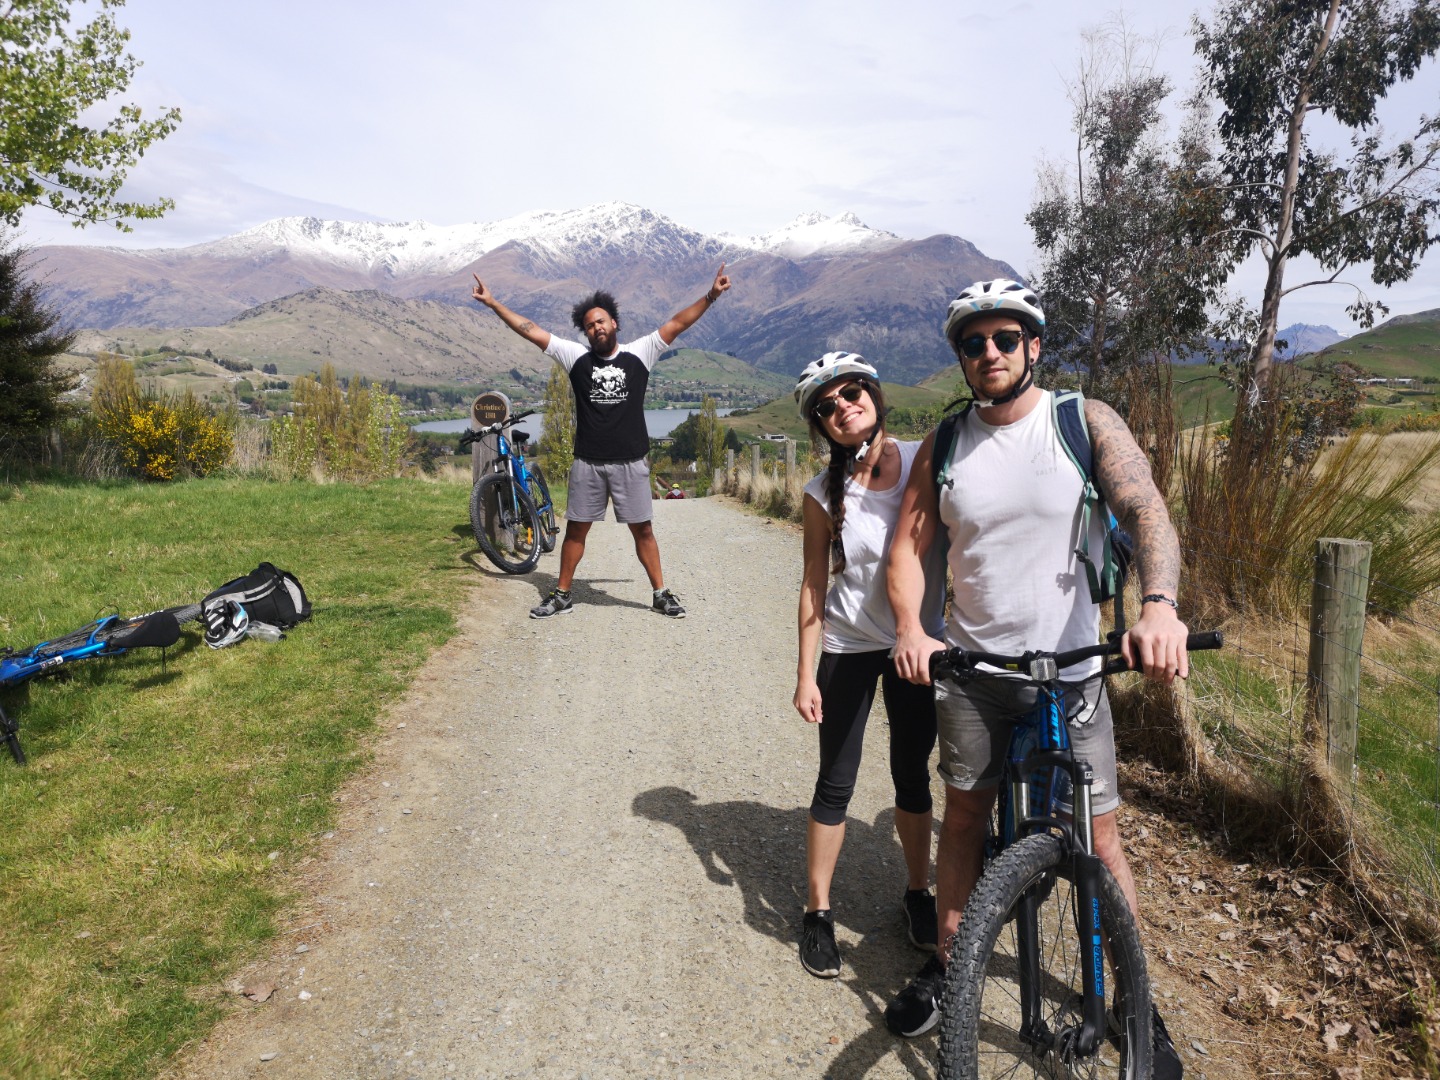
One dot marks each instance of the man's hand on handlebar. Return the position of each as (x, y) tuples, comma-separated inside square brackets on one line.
[(912, 654), (1156, 644)]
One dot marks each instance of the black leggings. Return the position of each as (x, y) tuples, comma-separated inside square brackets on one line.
[(847, 690)]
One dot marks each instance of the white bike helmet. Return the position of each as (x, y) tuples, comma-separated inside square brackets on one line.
[(1001, 296), (226, 622), (818, 374)]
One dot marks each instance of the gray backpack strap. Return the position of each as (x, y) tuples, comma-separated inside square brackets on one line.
[(1106, 576)]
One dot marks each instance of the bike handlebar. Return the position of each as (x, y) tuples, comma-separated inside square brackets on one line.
[(476, 434), (1044, 666)]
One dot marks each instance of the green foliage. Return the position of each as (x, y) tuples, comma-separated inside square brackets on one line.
[(353, 434), (1271, 64), (557, 442), (1129, 269), (31, 386), (52, 78), (135, 872), (690, 439)]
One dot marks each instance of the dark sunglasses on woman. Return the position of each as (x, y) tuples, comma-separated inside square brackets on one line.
[(825, 406)]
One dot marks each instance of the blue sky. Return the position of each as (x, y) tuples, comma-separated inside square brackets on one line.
[(921, 116)]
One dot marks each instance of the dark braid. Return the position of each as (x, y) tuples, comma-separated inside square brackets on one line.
[(841, 459), (842, 464)]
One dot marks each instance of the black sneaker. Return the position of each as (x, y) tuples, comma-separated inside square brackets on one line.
[(916, 1009), (668, 604), (1166, 1064), (557, 603), (920, 920), (818, 952)]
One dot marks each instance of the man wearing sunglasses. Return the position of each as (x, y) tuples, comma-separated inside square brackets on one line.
[(1010, 514), (611, 440)]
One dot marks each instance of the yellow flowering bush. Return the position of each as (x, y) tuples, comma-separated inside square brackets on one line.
[(157, 440)]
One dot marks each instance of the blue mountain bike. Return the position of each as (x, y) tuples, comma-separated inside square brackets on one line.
[(511, 511), (1025, 987), (109, 636)]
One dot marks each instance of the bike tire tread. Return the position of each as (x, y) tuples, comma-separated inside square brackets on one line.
[(502, 484), (1011, 872)]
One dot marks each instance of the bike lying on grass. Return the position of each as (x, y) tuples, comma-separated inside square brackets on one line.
[(1025, 986), (110, 636), (511, 511)]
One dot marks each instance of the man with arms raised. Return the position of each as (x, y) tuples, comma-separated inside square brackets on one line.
[(1011, 519), (611, 441)]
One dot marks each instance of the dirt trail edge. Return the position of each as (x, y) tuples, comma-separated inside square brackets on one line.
[(580, 853)]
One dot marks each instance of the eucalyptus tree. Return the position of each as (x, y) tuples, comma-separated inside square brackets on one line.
[(1272, 65), (54, 150), (1128, 267)]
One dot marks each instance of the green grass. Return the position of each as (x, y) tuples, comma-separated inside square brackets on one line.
[(135, 869)]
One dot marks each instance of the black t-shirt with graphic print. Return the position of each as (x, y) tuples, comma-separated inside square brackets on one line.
[(610, 408), (610, 397)]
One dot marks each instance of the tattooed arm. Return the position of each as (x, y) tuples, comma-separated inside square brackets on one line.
[(521, 325), (1157, 640)]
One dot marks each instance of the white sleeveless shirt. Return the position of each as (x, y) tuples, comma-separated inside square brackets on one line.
[(1013, 516), (857, 610)]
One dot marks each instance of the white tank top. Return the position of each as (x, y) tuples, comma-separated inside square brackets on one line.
[(857, 610), (1013, 515)]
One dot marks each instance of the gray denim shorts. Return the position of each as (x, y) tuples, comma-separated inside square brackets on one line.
[(627, 483), (974, 734)]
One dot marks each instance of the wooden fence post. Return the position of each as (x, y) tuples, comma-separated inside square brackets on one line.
[(729, 460), (1337, 636), (789, 461), (755, 461)]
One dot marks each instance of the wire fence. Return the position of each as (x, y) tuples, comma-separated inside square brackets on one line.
[(1292, 697)]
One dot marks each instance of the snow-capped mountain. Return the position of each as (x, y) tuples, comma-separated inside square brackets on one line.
[(815, 234), (815, 284), (408, 248)]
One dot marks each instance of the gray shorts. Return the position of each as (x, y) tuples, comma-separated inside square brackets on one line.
[(974, 734), (625, 482)]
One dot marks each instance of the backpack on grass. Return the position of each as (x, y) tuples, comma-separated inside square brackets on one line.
[(267, 595), (1106, 575)]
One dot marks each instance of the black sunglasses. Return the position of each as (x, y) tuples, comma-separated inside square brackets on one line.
[(825, 406), (973, 347)]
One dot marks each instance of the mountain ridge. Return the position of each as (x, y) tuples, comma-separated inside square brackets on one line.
[(815, 284)]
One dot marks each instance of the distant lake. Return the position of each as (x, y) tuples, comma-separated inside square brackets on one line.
[(660, 422)]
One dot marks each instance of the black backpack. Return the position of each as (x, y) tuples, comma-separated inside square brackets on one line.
[(265, 595)]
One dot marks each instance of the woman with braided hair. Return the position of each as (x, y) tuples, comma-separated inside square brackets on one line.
[(850, 512)]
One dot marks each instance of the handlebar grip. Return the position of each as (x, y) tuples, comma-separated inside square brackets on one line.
[(1210, 639)]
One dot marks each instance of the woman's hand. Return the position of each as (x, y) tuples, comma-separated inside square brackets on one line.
[(807, 701)]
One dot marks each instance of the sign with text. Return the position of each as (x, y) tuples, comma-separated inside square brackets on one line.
[(489, 408)]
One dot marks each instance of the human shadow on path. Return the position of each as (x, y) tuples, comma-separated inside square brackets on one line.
[(760, 850)]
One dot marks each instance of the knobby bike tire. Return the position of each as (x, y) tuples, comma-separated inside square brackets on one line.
[(548, 528), (505, 523), (980, 1006)]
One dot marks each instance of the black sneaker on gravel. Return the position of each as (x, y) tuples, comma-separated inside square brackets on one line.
[(920, 920), (818, 952), (1167, 1064), (916, 1009), (668, 604), (557, 603)]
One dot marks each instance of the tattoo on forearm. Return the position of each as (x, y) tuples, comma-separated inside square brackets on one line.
[(1129, 487), (525, 327)]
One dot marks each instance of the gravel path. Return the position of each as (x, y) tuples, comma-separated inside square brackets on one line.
[(580, 852)]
